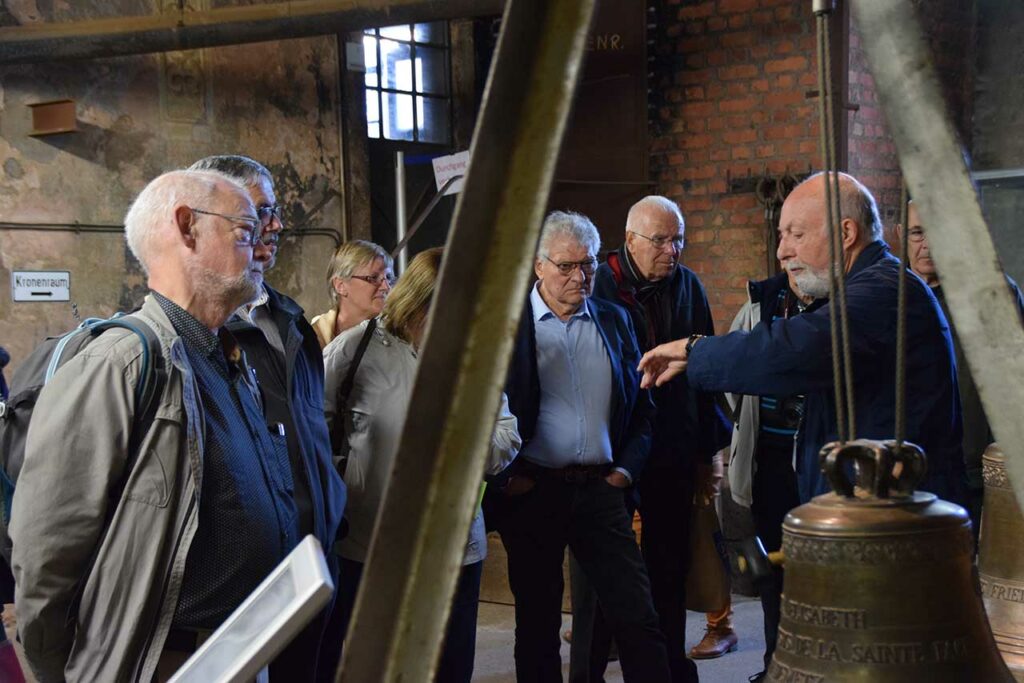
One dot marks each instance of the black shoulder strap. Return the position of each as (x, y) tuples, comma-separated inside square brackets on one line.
[(341, 404)]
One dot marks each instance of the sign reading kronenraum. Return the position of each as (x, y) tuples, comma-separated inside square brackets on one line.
[(41, 285), (448, 167)]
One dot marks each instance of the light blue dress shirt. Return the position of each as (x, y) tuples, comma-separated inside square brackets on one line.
[(575, 390)]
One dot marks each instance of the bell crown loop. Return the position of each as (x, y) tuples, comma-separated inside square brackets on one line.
[(882, 469)]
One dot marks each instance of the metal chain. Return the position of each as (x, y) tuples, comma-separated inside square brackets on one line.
[(834, 253), (901, 322), (840, 273)]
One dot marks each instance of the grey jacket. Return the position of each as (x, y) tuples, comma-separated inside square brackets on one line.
[(745, 426), (107, 623)]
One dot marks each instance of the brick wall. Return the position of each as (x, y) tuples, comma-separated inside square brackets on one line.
[(732, 91), (733, 102)]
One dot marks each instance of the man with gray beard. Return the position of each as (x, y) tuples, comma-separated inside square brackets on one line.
[(136, 536), (794, 355)]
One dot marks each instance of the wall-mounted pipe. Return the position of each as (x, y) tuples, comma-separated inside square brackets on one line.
[(189, 29)]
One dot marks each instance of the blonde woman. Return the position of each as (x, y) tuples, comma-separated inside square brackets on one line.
[(374, 415), (359, 278)]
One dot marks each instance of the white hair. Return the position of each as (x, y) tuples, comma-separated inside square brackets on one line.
[(575, 226), (653, 203), (155, 205), (857, 203)]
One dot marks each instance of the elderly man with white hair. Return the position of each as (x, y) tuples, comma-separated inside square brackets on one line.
[(665, 301), (130, 548), (794, 355), (586, 434)]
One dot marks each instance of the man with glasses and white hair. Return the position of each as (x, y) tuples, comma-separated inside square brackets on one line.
[(130, 548), (586, 433), (665, 301), (284, 351)]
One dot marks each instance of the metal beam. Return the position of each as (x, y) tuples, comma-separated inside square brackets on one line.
[(420, 539), (975, 288), (188, 29)]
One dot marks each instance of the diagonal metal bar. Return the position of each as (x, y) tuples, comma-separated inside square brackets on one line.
[(933, 164), (190, 29), (420, 538)]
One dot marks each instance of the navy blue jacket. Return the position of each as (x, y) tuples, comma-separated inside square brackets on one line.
[(685, 426), (301, 407), (629, 424), (794, 355)]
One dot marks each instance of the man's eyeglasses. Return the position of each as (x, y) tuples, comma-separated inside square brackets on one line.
[(376, 280), (253, 229), (915, 235), (569, 267), (267, 214), (659, 242)]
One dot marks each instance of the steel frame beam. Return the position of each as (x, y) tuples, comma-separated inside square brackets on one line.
[(932, 160), (189, 29), (416, 555)]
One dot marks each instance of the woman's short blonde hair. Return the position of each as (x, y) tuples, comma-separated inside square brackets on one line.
[(409, 301), (350, 256)]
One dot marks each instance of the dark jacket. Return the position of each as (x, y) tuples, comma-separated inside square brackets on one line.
[(794, 356), (977, 433), (301, 408), (5, 358), (685, 424), (629, 423)]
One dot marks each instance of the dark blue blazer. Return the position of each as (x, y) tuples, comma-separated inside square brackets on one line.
[(631, 407), (794, 356)]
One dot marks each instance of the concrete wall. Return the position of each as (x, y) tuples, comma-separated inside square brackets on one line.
[(138, 117)]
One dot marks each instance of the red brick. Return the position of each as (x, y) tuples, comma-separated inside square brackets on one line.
[(765, 151), (737, 88), (742, 152), (737, 71), (760, 85), (694, 92), (731, 6), (696, 11), (741, 136), (694, 141), (717, 23), (783, 98), (743, 104), (739, 21), (796, 63)]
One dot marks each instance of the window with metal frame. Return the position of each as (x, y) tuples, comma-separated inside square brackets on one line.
[(408, 83)]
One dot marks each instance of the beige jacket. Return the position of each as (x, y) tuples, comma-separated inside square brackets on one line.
[(324, 325), (373, 425), (107, 623)]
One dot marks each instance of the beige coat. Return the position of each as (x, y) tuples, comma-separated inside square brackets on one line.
[(106, 620)]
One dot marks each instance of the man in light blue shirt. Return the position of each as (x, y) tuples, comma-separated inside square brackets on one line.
[(585, 424)]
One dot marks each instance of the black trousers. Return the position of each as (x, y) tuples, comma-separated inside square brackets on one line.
[(590, 518), (774, 493), (666, 502)]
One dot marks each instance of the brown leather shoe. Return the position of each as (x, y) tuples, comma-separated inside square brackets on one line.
[(715, 643)]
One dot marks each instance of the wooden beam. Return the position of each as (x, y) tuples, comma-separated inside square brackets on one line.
[(189, 29), (418, 545)]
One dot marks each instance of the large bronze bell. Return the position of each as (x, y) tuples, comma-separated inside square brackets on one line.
[(1001, 561), (879, 580)]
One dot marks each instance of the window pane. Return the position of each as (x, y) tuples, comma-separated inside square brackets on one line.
[(397, 116), (431, 76), (397, 32), (396, 65), (433, 120), (370, 57), (434, 32)]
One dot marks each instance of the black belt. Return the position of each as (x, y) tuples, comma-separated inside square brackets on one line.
[(185, 640), (572, 474)]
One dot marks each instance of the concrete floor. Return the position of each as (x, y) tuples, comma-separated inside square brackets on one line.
[(496, 624), (495, 639)]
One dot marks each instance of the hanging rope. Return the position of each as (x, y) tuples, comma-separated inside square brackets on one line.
[(842, 365), (901, 322)]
